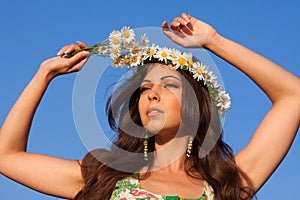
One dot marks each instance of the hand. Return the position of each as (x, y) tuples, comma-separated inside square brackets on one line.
[(189, 32), (60, 65)]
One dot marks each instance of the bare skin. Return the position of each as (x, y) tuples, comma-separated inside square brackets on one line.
[(279, 127), (162, 88), (276, 131), (35, 170)]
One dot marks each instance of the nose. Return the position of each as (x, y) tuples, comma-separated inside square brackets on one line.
[(154, 95)]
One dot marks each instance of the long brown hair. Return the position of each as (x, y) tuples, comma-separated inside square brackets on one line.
[(101, 168)]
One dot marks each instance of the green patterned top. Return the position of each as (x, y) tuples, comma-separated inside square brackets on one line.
[(131, 189)]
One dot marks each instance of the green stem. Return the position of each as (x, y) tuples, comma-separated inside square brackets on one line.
[(91, 49)]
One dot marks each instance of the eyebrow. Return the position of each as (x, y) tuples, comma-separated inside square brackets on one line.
[(164, 77)]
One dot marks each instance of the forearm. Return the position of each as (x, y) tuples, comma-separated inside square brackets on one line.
[(15, 129), (275, 81), (274, 136)]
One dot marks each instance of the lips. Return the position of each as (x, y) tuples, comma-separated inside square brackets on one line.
[(154, 111)]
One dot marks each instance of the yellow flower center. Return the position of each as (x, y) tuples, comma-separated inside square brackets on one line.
[(190, 62), (134, 59), (102, 49), (135, 50), (174, 56), (126, 34), (199, 70), (114, 50), (126, 44), (181, 61), (115, 41), (116, 60), (151, 52), (127, 61), (164, 54)]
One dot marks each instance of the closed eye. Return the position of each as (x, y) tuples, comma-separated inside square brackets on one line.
[(143, 89), (169, 85)]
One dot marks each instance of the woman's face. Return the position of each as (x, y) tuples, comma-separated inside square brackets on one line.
[(160, 100)]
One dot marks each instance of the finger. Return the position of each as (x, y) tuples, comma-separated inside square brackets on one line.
[(182, 21), (82, 44), (175, 36), (182, 25), (186, 17), (71, 48), (80, 65), (175, 25), (62, 50), (186, 30), (169, 33), (78, 57), (68, 49), (77, 61), (165, 26)]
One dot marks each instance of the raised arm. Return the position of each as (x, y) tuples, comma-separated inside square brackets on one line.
[(274, 136), (46, 174)]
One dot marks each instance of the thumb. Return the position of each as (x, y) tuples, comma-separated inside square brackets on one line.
[(166, 30), (165, 25), (174, 36)]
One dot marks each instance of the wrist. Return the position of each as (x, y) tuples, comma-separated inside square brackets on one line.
[(44, 75), (215, 42)]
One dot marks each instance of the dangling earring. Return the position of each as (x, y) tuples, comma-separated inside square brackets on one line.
[(146, 140), (189, 146)]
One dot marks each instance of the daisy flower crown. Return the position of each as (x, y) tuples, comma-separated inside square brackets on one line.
[(125, 51)]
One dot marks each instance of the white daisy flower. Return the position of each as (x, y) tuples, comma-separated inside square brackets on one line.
[(214, 84), (103, 50), (127, 60), (125, 51), (152, 51), (198, 70), (114, 52), (189, 59), (209, 77), (174, 55), (135, 61), (128, 34), (134, 49), (127, 45), (115, 38), (143, 55), (180, 62), (162, 54), (145, 40), (224, 102), (116, 62)]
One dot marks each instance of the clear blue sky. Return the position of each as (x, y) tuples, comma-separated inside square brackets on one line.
[(33, 30)]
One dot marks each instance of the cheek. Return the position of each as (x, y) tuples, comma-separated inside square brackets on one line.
[(176, 98), (175, 108), (141, 107)]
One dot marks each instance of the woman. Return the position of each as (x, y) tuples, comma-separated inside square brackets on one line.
[(219, 174)]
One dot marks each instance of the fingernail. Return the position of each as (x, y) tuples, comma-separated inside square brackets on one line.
[(178, 23)]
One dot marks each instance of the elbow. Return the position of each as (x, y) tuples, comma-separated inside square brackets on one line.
[(297, 95), (290, 94)]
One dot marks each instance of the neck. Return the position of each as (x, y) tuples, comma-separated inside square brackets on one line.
[(170, 152)]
